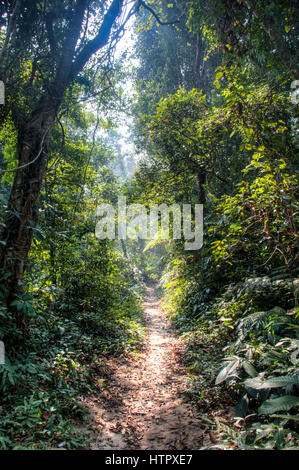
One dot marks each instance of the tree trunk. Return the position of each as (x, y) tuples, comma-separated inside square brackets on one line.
[(22, 212), (199, 65), (201, 180), (123, 245), (287, 57)]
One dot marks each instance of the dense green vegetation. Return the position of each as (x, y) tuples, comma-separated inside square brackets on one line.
[(226, 137), (79, 299), (214, 123)]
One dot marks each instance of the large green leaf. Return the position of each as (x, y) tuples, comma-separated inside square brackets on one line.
[(248, 367), (272, 382), (288, 417), (282, 403), (230, 370), (242, 407)]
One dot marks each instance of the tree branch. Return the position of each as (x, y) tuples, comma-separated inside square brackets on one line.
[(162, 23), (10, 30), (100, 40), (70, 42), (49, 26)]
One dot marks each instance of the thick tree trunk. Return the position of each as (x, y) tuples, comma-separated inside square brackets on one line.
[(22, 212), (199, 65)]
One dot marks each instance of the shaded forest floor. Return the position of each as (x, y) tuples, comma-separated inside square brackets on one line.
[(141, 401)]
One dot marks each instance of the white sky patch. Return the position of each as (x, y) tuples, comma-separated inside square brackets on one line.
[(126, 45), (123, 145)]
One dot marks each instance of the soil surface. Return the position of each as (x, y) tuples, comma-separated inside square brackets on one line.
[(143, 406)]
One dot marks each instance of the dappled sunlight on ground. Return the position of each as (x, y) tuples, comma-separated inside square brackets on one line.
[(143, 404)]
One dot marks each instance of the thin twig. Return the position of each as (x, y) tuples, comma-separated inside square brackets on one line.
[(32, 161)]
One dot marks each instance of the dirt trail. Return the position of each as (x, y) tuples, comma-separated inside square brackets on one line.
[(143, 405)]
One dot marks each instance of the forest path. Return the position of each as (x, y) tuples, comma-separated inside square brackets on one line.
[(143, 405)]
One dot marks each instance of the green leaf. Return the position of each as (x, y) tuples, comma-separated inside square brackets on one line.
[(242, 407), (289, 417), (284, 403), (272, 382), (228, 371), (248, 367)]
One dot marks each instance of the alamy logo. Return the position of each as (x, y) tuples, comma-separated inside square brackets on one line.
[(158, 222), (295, 93), (2, 353), (2, 93)]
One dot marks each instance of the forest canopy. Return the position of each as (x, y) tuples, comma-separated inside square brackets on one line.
[(162, 102)]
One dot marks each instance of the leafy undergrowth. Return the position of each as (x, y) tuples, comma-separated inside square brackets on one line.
[(70, 332), (242, 357)]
